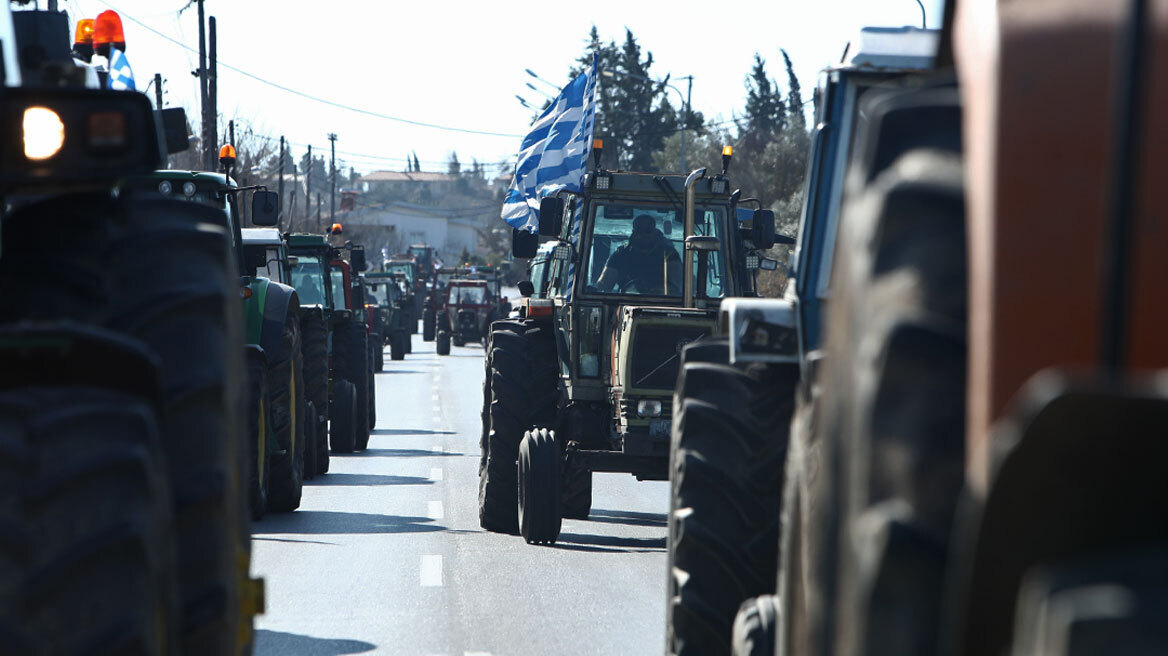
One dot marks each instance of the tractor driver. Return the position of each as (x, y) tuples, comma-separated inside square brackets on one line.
[(641, 265)]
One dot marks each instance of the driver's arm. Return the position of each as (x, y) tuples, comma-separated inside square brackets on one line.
[(608, 277)]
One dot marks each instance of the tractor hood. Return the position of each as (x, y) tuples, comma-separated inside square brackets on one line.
[(647, 343)]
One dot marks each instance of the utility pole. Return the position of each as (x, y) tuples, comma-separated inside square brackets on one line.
[(318, 206), (213, 89), (158, 91), (308, 190), (280, 180), (333, 173), (208, 149), (685, 119), (295, 195)]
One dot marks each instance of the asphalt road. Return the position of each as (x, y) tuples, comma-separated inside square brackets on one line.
[(386, 556)]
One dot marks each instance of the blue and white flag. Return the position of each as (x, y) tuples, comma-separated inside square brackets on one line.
[(554, 154), (121, 77)]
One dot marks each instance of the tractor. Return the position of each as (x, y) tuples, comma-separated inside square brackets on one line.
[(413, 303), (121, 373), (744, 383), (343, 367), (390, 291), (466, 313), (581, 381)]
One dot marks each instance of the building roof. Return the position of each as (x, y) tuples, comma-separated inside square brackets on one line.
[(402, 176)]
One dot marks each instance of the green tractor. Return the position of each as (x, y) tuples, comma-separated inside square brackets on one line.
[(581, 382), (413, 300), (266, 254), (281, 420), (341, 372), (389, 292), (124, 498)]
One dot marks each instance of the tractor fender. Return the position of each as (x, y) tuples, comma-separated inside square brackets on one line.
[(276, 302)]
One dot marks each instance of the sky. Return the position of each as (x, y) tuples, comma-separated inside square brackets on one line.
[(461, 64)]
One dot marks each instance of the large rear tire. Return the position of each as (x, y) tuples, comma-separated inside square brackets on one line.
[(524, 394), (314, 338), (162, 271), (343, 417), (286, 383), (442, 343), (258, 424), (577, 492), (351, 357), (728, 448), (429, 325), (895, 386), (85, 507)]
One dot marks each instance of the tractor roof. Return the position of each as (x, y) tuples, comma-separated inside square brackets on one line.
[(303, 239), (262, 236), (197, 176), (891, 49)]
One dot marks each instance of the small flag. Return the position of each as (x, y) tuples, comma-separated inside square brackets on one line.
[(554, 154), (121, 77)]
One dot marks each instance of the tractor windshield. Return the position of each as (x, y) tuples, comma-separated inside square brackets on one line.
[(460, 295), (404, 268), (639, 249), (308, 279), (338, 280)]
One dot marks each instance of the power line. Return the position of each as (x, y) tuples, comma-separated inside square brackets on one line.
[(302, 94)]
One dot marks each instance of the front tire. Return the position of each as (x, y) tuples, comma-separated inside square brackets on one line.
[(539, 487), (429, 325)]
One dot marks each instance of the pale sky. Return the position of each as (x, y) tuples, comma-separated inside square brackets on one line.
[(460, 64)]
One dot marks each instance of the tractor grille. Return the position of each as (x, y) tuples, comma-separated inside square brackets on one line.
[(656, 354), (466, 318)]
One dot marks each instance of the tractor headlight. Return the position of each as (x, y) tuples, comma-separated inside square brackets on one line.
[(603, 182), (44, 133), (188, 189), (649, 408), (753, 261), (718, 186), (165, 187)]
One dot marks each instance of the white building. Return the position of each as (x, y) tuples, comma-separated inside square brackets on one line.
[(418, 224)]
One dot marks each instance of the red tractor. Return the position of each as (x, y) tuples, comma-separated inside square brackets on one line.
[(467, 308)]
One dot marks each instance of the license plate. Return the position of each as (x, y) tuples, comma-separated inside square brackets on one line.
[(659, 427)]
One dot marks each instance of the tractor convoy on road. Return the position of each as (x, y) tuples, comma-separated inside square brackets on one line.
[(945, 437)]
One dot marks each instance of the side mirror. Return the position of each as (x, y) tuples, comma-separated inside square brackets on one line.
[(523, 243), (763, 231), (293, 260), (265, 208), (702, 243), (357, 258), (526, 288), (174, 129), (551, 216)]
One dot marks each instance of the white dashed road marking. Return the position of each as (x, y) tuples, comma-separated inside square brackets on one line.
[(435, 473), (431, 571), (435, 510)]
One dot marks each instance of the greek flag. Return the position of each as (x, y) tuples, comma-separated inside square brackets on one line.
[(554, 153), (121, 78)]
